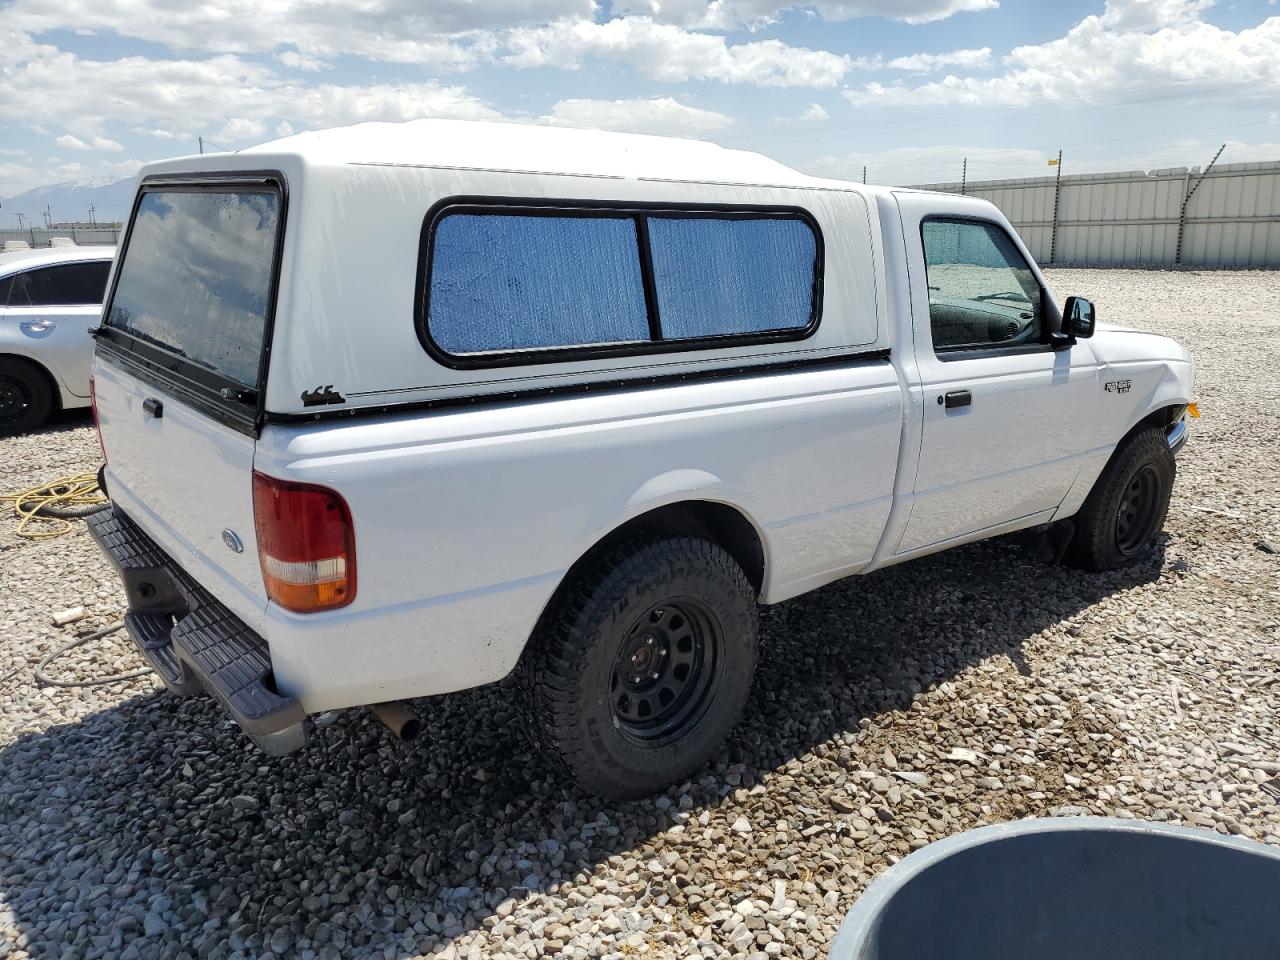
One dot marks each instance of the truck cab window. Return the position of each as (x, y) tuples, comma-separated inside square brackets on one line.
[(982, 293)]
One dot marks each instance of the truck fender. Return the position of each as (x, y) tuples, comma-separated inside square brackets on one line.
[(1168, 392)]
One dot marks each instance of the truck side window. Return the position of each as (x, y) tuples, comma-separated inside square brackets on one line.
[(982, 293), (717, 276), (508, 284), (504, 282)]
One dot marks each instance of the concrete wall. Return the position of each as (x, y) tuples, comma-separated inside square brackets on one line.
[(1132, 219), (39, 237)]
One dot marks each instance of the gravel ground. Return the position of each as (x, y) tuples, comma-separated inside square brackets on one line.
[(890, 711)]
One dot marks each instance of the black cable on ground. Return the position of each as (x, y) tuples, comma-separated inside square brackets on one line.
[(80, 642)]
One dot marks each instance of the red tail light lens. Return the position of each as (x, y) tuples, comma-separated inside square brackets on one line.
[(97, 424), (306, 544)]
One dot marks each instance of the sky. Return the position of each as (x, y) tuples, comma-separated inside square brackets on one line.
[(907, 88)]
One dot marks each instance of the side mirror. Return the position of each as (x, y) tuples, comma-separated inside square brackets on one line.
[(1078, 317)]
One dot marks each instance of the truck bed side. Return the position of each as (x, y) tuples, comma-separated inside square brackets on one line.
[(466, 521)]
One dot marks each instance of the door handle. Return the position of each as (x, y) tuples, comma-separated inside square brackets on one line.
[(36, 328), (153, 407), (956, 398)]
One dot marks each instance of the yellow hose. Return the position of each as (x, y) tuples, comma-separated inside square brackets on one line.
[(52, 503)]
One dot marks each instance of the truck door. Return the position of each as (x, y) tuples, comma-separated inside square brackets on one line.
[(999, 443)]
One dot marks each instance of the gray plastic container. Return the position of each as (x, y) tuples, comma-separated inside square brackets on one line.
[(1080, 888)]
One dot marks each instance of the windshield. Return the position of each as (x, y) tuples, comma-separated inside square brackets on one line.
[(195, 278)]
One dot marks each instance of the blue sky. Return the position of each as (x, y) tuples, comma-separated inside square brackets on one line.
[(93, 88)]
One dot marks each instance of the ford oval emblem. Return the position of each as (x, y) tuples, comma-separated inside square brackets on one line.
[(233, 541)]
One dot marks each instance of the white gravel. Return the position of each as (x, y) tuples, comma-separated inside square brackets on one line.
[(890, 711)]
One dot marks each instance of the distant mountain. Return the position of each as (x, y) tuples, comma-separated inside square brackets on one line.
[(70, 202)]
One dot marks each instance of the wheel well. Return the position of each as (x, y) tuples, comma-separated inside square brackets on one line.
[(1160, 417), (55, 391), (716, 522)]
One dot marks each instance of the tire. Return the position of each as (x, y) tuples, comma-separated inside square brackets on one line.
[(681, 608), (26, 399), (1127, 507)]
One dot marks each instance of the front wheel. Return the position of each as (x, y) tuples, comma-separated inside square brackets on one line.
[(1127, 507), (643, 665)]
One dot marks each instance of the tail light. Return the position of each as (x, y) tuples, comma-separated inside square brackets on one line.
[(306, 544), (97, 424)]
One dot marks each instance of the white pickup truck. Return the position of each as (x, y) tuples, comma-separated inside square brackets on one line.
[(397, 410)]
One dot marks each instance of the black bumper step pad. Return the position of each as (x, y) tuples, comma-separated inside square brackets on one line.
[(192, 641), (151, 633)]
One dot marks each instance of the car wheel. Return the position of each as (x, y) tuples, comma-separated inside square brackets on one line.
[(25, 397), (642, 665), (1127, 507)]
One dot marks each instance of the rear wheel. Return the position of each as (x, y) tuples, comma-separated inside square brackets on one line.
[(643, 665), (25, 397), (1128, 505)]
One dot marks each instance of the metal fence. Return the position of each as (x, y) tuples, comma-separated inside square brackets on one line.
[(40, 236), (1228, 217)]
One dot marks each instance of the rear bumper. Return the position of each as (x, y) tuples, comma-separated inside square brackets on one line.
[(193, 642)]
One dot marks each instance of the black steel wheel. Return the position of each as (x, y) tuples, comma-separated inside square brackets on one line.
[(25, 396), (1139, 511), (642, 664), (663, 669), (1124, 512)]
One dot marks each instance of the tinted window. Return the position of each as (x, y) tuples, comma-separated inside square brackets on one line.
[(726, 276), (519, 282), (195, 278), (66, 285), (982, 293)]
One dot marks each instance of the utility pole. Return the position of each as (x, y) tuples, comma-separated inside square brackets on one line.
[(964, 176), (864, 173), (92, 210), (1057, 193), (22, 221), (202, 144), (1182, 214), (48, 216)]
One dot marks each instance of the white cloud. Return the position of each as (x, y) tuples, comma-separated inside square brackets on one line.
[(732, 13), (1107, 54), (300, 61), (815, 113), (928, 62), (667, 52), (403, 31), (241, 128), (176, 99), (15, 178), (660, 115), (95, 143)]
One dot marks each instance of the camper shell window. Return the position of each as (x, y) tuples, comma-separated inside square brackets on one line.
[(504, 283)]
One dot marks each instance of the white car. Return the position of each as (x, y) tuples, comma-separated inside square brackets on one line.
[(396, 410), (50, 302)]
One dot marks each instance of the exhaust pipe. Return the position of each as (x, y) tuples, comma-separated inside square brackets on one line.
[(399, 719)]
